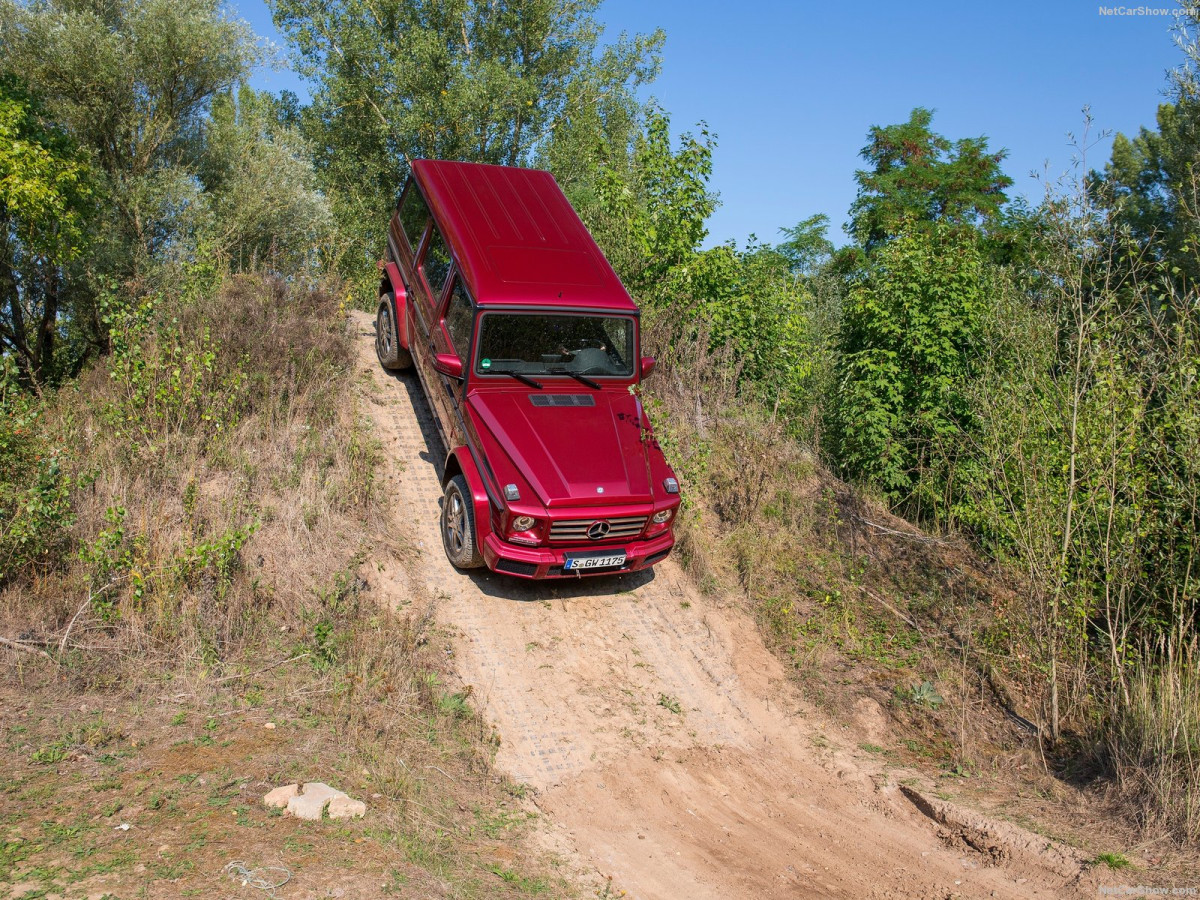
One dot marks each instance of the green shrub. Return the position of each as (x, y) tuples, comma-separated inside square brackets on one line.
[(35, 508)]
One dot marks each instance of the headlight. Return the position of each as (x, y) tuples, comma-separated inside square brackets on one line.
[(663, 515), (523, 523)]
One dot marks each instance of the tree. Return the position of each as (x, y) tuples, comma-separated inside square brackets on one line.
[(652, 208), (918, 178), (806, 246), (261, 202), (907, 347), (478, 80), (45, 204), (132, 82), (1152, 188)]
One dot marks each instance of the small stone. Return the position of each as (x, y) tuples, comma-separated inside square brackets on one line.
[(279, 797), (344, 807), (270, 726)]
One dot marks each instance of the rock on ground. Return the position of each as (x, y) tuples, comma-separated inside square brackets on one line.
[(311, 800)]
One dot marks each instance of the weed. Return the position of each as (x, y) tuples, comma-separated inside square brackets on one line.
[(923, 694), (666, 701), (521, 882), (1112, 860)]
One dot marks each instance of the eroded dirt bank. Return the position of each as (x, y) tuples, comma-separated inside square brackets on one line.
[(662, 741)]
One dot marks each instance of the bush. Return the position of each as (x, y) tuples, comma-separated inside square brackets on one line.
[(220, 470), (35, 509)]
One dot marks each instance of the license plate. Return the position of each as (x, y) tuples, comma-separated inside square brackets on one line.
[(594, 561)]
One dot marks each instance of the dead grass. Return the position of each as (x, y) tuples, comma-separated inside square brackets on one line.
[(224, 570), (1154, 741)]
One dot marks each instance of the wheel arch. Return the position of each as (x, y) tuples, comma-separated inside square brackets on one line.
[(460, 462)]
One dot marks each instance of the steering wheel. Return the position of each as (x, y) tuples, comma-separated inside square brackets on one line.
[(592, 361)]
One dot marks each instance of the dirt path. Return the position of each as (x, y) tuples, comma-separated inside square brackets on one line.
[(662, 740)]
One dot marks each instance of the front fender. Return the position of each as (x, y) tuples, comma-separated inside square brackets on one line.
[(460, 460)]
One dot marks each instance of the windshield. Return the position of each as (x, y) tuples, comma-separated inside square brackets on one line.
[(534, 344)]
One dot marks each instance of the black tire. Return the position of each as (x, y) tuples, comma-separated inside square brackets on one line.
[(458, 525), (387, 346)]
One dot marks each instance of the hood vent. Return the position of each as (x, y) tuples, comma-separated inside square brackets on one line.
[(562, 399)]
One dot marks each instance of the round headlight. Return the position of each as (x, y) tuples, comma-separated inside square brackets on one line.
[(663, 515), (523, 523)]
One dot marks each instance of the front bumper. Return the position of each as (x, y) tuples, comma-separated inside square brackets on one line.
[(547, 562)]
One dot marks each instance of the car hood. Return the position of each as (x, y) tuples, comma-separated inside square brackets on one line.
[(570, 454)]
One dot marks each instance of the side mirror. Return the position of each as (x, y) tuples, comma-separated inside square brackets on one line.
[(647, 365), (449, 365)]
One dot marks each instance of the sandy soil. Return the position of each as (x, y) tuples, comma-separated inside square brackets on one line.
[(662, 741)]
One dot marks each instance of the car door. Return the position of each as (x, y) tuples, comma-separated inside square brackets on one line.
[(431, 275), (455, 333)]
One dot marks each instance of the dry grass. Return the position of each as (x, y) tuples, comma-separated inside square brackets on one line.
[(224, 568), (221, 472), (1154, 742)]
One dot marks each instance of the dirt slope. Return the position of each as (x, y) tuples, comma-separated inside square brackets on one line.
[(661, 739)]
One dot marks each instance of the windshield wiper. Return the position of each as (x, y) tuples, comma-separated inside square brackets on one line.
[(582, 379), (519, 376)]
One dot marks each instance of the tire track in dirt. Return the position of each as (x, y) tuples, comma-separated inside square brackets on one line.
[(662, 740)]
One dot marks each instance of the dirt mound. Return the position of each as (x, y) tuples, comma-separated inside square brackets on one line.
[(662, 740)]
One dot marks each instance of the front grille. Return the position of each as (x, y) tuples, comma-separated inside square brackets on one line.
[(577, 529), (514, 567)]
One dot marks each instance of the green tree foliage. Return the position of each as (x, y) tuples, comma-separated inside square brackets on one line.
[(906, 349), (262, 204), (651, 210), (807, 245), (45, 205), (132, 81), (465, 79), (918, 178), (1152, 187)]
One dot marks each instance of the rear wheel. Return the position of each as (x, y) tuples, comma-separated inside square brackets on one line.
[(387, 346), (458, 525)]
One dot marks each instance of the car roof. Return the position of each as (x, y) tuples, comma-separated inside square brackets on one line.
[(517, 239)]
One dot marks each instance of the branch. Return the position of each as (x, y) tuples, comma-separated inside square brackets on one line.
[(24, 648)]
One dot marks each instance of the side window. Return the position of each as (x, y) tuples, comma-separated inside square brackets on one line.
[(436, 264), (458, 320), (413, 215)]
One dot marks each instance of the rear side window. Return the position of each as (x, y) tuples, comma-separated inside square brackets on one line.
[(458, 320), (413, 216), (436, 264)]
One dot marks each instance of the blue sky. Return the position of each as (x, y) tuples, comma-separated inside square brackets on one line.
[(790, 88)]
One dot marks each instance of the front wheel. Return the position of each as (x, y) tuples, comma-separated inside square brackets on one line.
[(387, 346), (458, 525)]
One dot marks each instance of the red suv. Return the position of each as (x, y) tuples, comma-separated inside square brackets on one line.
[(527, 346)]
